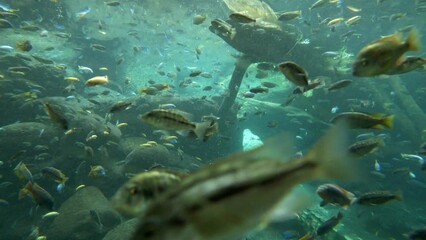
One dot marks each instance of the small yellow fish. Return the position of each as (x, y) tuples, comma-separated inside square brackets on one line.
[(50, 214), (154, 143), (71, 79), (146, 145), (168, 138), (92, 137), (98, 80), (352, 20), (80, 187), (103, 69), (97, 171), (334, 21), (354, 9), (169, 145), (69, 132), (23, 173), (121, 125)]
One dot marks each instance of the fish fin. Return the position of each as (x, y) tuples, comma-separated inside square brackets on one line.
[(331, 156), (378, 126), (307, 236), (323, 203), (413, 40), (388, 121), (296, 201), (22, 193), (200, 129), (399, 61), (375, 115), (339, 215), (399, 196), (232, 33), (395, 38)]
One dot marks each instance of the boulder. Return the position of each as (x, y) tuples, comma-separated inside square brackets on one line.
[(85, 215), (124, 231), (143, 158)]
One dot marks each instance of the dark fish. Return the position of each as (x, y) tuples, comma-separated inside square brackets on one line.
[(195, 73), (38, 194), (98, 47), (378, 197), (261, 74), (359, 120), (423, 149), (171, 119), (62, 34), (266, 66), (113, 3), (269, 84), (42, 60), (248, 94), (19, 69), (418, 234), (339, 84), (56, 116), (335, 194), (259, 90), (286, 16), (409, 64), (311, 85), (328, 225), (294, 73), (5, 24), (289, 100), (364, 147), (207, 88), (120, 60), (54, 174), (348, 34), (120, 106)]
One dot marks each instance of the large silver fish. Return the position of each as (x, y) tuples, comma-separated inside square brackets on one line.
[(238, 193)]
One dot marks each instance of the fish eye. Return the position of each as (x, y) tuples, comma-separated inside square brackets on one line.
[(133, 191), (364, 62)]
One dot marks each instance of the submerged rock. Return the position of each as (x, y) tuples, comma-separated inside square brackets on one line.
[(123, 231), (143, 158), (85, 215), (22, 136)]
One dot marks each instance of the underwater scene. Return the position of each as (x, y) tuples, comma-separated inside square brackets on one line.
[(212, 119)]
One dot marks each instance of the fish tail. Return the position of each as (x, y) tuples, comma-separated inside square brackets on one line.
[(330, 155), (413, 41), (26, 190), (399, 196), (388, 121)]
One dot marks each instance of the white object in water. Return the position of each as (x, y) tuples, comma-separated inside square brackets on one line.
[(250, 140)]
